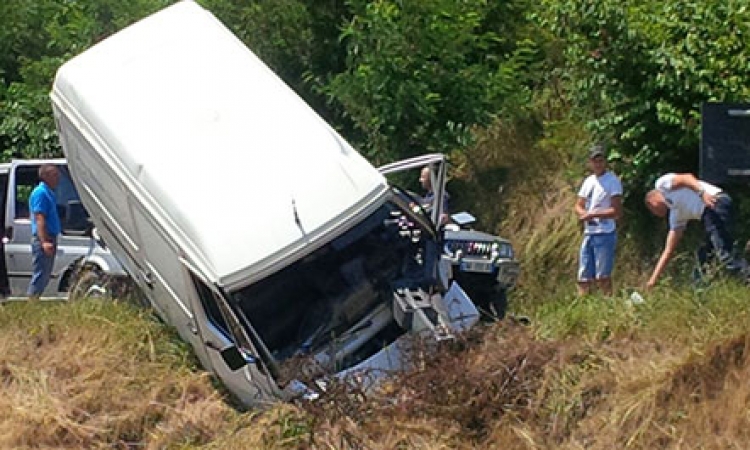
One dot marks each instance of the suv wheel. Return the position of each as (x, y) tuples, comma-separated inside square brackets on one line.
[(498, 303), (89, 282)]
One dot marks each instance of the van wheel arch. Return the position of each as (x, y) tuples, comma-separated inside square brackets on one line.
[(90, 281)]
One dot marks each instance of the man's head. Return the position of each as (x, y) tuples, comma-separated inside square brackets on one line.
[(425, 179), (656, 203), (598, 159), (49, 174)]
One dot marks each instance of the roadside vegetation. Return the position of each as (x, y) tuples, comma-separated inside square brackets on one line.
[(514, 92), (588, 373)]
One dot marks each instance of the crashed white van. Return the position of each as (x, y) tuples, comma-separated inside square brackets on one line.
[(252, 227)]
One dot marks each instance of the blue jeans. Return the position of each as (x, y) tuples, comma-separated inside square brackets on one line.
[(42, 265), (718, 223), (597, 256)]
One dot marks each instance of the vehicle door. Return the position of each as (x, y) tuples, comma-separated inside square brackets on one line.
[(221, 331), (73, 243), (4, 169), (438, 169)]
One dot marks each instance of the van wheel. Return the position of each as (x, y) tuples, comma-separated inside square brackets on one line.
[(89, 283)]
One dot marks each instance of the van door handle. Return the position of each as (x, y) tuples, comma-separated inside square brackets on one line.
[(146, 277)]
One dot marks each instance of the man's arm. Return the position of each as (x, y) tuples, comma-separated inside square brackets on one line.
[(688, 180), (685, 180), (580, 208), (616, 207), (614, 211), (673, 238)]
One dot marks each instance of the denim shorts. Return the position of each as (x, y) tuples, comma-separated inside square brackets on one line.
[(597, 257)]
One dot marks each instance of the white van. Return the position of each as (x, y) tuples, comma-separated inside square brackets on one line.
[(81, 264), (270, 244)]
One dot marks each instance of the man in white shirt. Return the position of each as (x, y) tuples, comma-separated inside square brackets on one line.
[(598, 206), (683, 198)]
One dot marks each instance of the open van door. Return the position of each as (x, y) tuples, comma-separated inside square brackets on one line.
[(438, 169), (17, 228)]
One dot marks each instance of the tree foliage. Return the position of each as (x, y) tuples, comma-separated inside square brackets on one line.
[(420, 74), (298, 39), (642, 69), (36, 37)]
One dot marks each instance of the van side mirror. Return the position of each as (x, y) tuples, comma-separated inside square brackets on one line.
[(234, 358), (77, 221)]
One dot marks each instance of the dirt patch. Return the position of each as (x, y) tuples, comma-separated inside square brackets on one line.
[(703, 377)]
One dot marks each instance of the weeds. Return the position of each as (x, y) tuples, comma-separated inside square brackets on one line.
[(90, 375)]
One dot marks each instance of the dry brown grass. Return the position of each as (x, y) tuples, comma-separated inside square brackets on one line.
[(89, 376), (75, 376), (503, 388)]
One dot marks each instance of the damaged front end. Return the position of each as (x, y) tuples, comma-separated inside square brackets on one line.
[(345, 308)]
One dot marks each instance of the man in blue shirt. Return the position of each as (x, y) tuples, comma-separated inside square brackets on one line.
[(45, 227)]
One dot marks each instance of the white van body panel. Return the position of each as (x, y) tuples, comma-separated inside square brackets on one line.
[(216, 114)]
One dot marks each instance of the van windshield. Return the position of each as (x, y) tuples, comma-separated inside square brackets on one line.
[(307, 305)]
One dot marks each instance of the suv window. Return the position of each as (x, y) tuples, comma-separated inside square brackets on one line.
[(68, 200)]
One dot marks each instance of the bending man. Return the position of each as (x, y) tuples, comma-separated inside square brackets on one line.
[(683, 198)]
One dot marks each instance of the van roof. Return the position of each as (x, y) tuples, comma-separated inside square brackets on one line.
[(225, 155)]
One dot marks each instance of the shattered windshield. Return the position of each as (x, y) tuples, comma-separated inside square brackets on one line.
[(319, 298)]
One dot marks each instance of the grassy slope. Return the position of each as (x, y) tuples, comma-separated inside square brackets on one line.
[(589, 373)]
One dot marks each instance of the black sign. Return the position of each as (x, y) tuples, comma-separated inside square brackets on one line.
[(725, 143)]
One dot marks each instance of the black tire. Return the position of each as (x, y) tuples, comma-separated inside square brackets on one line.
[(498, 304), (490, 298)]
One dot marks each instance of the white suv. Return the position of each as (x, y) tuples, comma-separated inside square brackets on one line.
[(81, 264)]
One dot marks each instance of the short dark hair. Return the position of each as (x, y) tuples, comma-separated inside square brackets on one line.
[(46, 169)]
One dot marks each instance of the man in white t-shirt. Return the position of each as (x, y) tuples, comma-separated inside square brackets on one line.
[(683, 198), (598, 206)]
